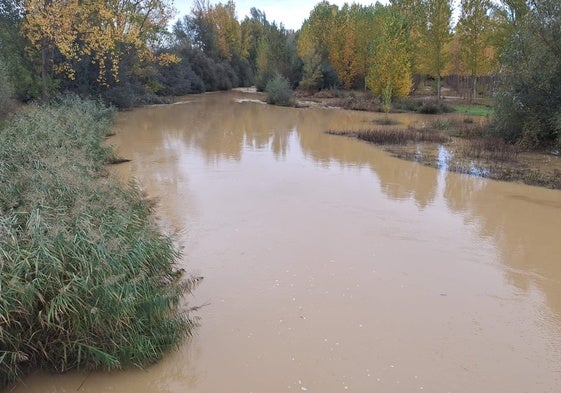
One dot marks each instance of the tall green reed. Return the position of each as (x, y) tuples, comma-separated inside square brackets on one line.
[(87, 279)]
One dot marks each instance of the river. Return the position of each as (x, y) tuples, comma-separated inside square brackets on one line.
[(330, 266)]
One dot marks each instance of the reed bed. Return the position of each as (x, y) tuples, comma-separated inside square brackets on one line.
[(87, 280), (490, 148), (396, 136)]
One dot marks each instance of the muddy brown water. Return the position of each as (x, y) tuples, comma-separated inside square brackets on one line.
[(331, 267)]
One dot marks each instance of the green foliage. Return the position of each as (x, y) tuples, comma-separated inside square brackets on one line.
[(6, 91), (474, 30), (528, 101), (18, 63), (387, 98), (279, 91), (390, 63), (312, 76), (276, 54), (435, 38), (87, 279)]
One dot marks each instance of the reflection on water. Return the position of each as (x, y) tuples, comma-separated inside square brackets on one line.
[(444, 158), (330, 266)]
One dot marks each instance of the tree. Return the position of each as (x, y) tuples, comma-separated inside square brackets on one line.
[(18, 65), (227, 29), (366, 21), (68, 31), (315, 39), (342, 46), (528, 108), (415, 15), (276, 54), (252, 29), (312, 75), (473, 29), (435, 39), (390, 66)]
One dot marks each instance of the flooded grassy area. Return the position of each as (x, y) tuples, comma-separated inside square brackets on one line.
[(461, 145)]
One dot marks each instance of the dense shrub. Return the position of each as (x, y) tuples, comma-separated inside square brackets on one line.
[(407, 104), (528, 100), (87, 279), (279, 92), (434, 108)]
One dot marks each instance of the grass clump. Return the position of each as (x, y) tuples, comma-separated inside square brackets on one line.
[(279, 92), (87, 280)]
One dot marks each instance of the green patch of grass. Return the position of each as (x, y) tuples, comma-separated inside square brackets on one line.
[(473, 110), (87, 279)]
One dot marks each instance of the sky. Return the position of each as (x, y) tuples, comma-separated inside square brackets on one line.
[(290, 12)]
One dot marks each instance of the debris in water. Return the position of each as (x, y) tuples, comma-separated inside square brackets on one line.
[(478, 171)]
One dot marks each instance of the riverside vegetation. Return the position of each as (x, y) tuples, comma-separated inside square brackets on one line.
[(468, 148), (87, 279)]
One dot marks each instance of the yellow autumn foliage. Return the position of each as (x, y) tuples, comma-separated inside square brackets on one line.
[(94, 28), (390, 66)]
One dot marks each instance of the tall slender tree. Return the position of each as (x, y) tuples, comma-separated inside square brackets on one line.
[(415, 14), (390, 68), (435, 39), (473, 29)]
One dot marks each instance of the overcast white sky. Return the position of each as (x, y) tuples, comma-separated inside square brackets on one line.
[(290, 12)]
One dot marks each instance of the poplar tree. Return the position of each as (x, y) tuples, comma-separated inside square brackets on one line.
[(473, 29), (435, 40), (390, 68)]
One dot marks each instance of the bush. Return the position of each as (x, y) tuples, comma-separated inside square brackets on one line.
[(407, 104), (279, 92), (87, 279), (434, 108)]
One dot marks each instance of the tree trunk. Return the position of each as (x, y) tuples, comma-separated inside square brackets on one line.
[(474, 93), (438, 88), (44, 66)]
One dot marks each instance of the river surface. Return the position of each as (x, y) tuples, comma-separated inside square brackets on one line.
[(330, 266)]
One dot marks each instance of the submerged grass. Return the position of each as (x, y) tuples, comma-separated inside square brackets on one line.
[(395, 136), (87, 280), (490, 148)]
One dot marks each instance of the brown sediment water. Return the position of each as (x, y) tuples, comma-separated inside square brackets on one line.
[(331, 267)]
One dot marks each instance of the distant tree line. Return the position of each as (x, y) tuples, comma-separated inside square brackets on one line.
[(124, 52)]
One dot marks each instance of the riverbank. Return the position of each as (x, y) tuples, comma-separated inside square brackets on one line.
[(88, 280)]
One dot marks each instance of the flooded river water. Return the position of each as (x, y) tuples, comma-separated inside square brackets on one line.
[(331, 267)]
